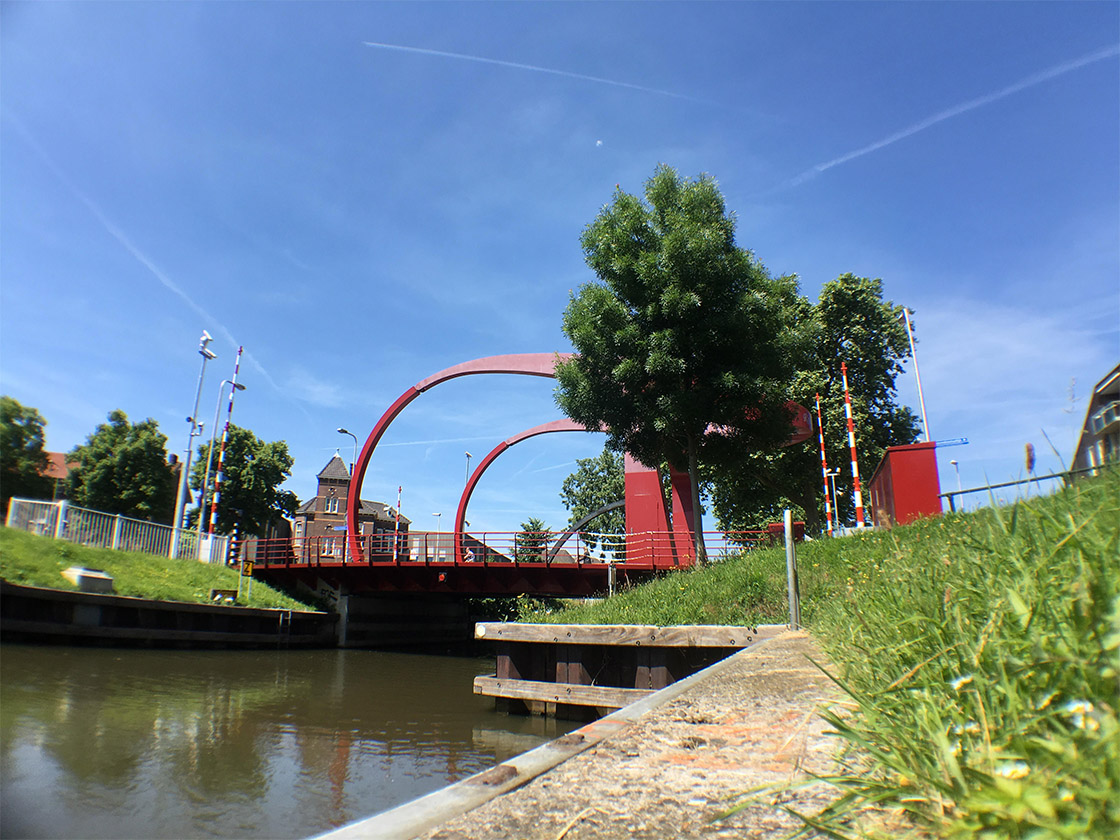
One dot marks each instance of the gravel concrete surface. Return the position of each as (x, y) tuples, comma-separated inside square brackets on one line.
[(672, 771)]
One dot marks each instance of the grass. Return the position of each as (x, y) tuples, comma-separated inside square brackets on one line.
[(32, 560), (980, 654)]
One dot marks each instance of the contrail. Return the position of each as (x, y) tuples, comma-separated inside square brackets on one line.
[(535, 69), (957, 110), (126, 243), (432, 442)]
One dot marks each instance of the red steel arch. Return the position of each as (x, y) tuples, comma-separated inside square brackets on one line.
[(526, 364), (563, 425)]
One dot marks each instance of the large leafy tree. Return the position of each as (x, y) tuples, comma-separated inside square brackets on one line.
[(684, 331), (22, 457), (850, 323), (252, 473), (122, 468), (596, 483)]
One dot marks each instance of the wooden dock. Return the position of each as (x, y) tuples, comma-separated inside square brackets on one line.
[(584, 671)]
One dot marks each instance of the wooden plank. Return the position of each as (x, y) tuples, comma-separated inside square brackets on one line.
[(628, 634), (574, 695)]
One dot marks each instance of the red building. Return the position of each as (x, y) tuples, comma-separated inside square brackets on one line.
[(320, 522)]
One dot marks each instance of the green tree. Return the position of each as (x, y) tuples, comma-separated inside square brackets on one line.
[(850, 323), (22, 457), (122, 468), (596, 483), (531, 543), (251, 477), (683, 332)]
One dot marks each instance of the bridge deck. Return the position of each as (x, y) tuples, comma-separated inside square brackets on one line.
[(462, 578)]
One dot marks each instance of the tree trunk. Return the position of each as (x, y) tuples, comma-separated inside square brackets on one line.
[(697, 518)]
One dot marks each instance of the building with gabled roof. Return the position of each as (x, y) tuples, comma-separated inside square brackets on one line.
[(320, 522), (1099, 443)]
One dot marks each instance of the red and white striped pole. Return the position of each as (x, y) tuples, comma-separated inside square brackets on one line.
[(824, 470), (222, 452), (852, 443)]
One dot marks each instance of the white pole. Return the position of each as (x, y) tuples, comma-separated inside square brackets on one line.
[(791, 575), (917, 372), (196, 429)]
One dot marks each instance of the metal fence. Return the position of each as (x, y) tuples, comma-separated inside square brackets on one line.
[(64, 521), (501, 547)]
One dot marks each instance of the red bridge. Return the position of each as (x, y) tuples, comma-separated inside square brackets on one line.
[(493, 564), (659, 532)]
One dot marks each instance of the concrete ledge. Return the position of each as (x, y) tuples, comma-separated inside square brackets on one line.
[(420, 815)]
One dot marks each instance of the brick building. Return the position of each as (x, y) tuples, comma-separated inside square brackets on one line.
[(320, 522)]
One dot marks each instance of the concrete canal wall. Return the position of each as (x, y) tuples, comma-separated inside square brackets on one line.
[(36, 614)]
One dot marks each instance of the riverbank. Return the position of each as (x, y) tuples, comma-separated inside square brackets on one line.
[(53, 616), (664, 767), (32, 560)]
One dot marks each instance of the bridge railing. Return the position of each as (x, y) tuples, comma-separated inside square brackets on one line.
[(501, 547)]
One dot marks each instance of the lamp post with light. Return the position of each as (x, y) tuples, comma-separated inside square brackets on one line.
[(467, 478), (196, 429), (957, 470), (342, 431)]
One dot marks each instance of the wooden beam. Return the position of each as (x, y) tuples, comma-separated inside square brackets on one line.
[(575, 695), (627, 634)]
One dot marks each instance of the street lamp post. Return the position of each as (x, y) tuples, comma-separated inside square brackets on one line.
[(467, 479), (832, 481), (435, 552), (917, 372), (196, 429), (210, 454), (957, 469), (342, 431)]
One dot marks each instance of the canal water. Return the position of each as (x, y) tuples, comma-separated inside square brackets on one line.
[(118, 743)]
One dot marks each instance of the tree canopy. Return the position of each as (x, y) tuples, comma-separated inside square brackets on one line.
[(683, 331), (596, 482), (850, 323), (531, 542), (23, 459), (252, 474), (122, 468)]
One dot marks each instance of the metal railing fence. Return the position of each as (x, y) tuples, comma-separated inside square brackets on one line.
[(504, 547), (64, 521)]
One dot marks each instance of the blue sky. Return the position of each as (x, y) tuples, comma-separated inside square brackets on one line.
[(360, 215)]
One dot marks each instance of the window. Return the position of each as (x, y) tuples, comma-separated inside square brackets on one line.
[(332, 505)]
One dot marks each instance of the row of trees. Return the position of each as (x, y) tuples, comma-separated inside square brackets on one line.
[(688, 350), (123, 468)]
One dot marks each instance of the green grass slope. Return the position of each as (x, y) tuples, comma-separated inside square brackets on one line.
[(980, 653), (32, 560)]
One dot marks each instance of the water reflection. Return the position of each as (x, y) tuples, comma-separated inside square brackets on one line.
[(110, 743)]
